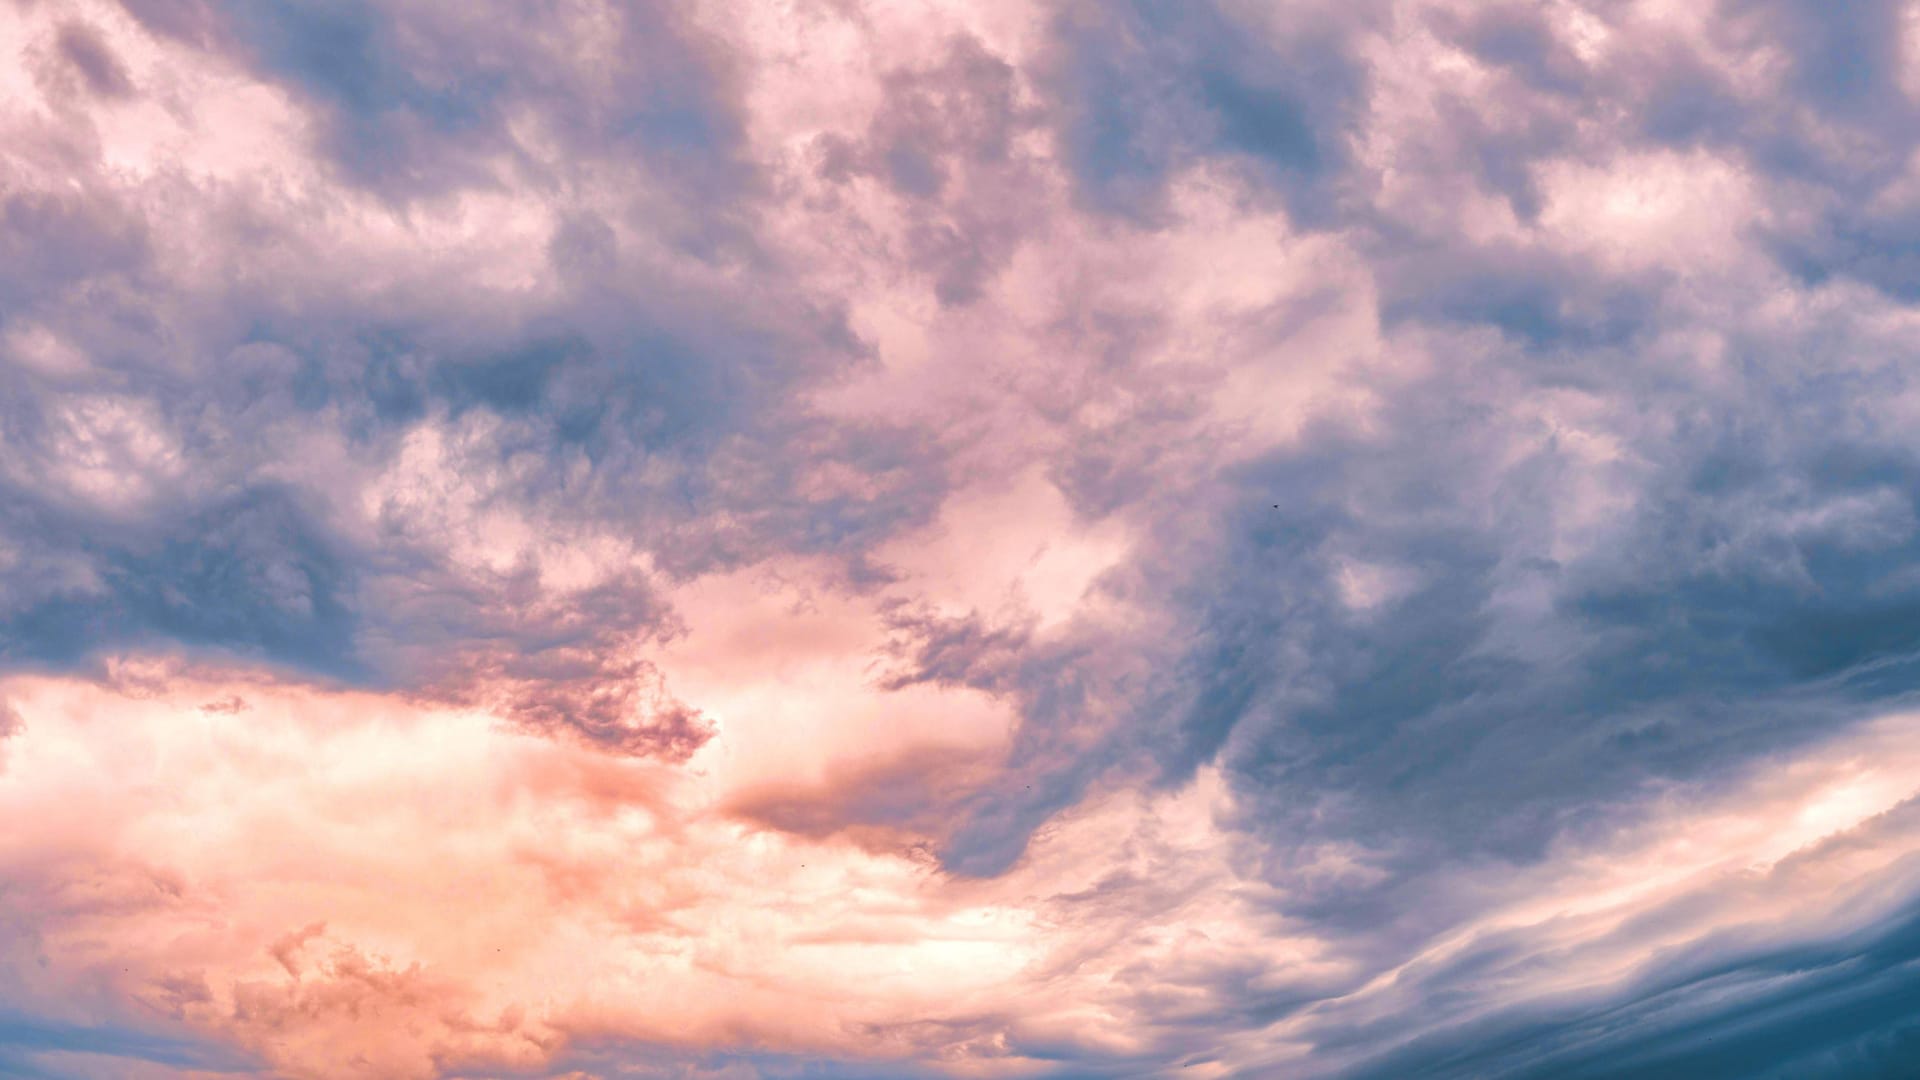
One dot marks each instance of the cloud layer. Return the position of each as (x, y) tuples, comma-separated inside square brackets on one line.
[(961, 539)]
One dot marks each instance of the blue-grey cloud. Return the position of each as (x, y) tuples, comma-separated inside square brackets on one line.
[(946, 142), (27, 1041), (1754, 589), (1143, 89), (1628, 509), (656, 394)]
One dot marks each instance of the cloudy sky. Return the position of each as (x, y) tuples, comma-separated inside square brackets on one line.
[(722, 539)]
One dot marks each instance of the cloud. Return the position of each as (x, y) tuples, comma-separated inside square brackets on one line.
[(239, 465), (252, 573), (24, 1037), (1143, 89), (100, 69), (1006, 539), (950, 142)]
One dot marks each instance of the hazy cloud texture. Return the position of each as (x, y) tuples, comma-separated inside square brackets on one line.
[(971, 539)]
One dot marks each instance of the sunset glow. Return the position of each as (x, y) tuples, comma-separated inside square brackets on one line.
[(959, 538)]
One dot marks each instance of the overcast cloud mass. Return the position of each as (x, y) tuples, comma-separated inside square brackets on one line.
[(964, 538)]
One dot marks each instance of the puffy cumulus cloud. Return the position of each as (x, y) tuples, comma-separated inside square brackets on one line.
[(964, 538)]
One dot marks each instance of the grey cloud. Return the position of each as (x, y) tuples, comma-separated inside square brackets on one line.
[(253, 575), (1718, 629), (50, 242), (1822, 998), (387, 121), (1538, 297), (602, 415), (1522, 39), (10, 725), (1739, 574), (1753, 596), (890, 806), (1844, 59), (1753, 593), (414, 102), (946, 140), (103, 72), (188, 20), (1141, 89), (649, 398), (1879, 245), (1834, 139)]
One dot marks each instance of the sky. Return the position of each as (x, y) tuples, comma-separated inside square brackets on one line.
[(721, 539)]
